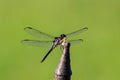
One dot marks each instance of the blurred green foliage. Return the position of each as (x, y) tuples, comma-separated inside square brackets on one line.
[(97, 58)]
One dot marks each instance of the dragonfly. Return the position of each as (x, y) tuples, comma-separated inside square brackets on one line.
[(60, 40)]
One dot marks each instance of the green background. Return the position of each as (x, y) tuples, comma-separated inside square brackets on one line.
[(97, 58)]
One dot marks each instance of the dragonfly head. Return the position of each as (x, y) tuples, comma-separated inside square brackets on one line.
[(63, 39), (62, 36)]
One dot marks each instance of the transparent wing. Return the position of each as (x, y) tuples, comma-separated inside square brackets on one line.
[(76, 32), (78, 41), (37, 43), (37, 33)]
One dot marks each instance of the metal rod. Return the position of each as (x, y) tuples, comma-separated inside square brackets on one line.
[(63, 71)]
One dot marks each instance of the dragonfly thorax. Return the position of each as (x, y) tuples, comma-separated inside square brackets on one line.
[(59, 40)]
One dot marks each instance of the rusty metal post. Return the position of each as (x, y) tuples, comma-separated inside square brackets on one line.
[(63, 71)]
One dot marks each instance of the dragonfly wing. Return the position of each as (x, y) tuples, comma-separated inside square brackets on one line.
[(37, 43), (76, 32), (78, 41), (37, 33)]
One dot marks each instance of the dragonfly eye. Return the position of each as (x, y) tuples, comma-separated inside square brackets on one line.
[(62, 35)]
